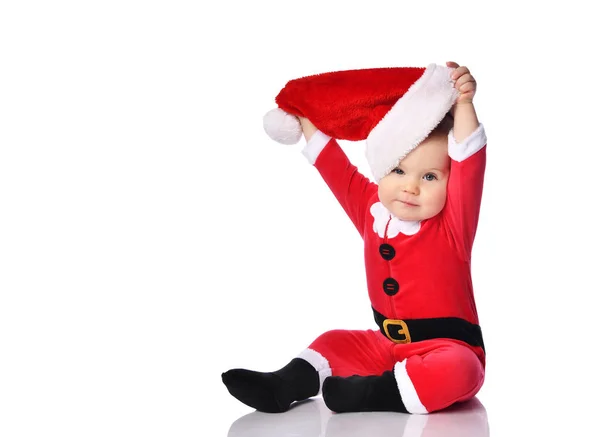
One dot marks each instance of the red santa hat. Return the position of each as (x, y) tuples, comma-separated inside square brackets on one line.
[(393, 109)]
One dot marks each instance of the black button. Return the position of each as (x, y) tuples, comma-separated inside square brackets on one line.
[(387, 251), (391, 286)]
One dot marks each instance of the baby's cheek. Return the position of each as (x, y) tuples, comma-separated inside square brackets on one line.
[(386, 202), (385, 195), (443, 198), (439, 199)]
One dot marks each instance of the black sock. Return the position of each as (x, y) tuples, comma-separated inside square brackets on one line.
[(273, 392), (363, 393)]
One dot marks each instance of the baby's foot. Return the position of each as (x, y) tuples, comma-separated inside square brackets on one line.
[(362, 393), (273, 392), (264, 391)]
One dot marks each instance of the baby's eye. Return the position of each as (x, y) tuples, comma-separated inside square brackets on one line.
[(430, 177), (398, 171)]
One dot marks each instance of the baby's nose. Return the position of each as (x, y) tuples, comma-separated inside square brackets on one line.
[(411, 188)]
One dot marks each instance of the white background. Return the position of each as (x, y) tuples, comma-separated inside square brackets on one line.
[(152, 236)]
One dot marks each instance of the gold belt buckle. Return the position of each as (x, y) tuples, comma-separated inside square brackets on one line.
[(403, 330)]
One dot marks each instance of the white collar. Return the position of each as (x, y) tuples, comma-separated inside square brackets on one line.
[(382, 216)]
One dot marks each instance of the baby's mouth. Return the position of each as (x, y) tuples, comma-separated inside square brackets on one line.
[(408, 203)]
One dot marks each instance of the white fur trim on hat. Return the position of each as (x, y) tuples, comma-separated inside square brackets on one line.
[(411, 120), (282, 127)]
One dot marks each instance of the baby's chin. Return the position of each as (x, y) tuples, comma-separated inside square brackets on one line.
[(411, 213)]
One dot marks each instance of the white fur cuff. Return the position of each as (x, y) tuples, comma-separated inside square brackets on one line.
[(471, 145), (319, 362), (407, 390), (315, 146)]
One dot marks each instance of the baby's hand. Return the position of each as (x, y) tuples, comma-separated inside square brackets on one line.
[(308, 129), (465, 83)]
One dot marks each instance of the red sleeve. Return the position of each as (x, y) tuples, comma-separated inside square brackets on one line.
[(461, 213), (352, 189)]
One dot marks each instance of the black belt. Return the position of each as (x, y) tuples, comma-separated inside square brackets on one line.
[(412, 330)]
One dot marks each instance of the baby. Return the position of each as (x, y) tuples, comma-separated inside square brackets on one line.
[(418, 223)]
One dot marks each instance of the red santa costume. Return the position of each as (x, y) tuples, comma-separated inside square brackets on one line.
[(418, 272)]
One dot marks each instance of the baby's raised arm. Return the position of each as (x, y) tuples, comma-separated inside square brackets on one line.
[(351, 188), (467, 149)]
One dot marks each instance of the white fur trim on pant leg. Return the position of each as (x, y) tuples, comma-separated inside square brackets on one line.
[(319, 362), (469, 146), (408, 393), (315, 146)]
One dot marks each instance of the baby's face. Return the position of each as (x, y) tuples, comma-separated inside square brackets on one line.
[(416, 189)]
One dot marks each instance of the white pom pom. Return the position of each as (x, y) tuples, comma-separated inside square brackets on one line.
[(282, 127)]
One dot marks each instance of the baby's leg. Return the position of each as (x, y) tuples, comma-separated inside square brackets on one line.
[(435, 380), (357, 374), (347, 353), (430, 379)]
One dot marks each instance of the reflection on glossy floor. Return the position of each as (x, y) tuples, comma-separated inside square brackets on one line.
[(313, 418)]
